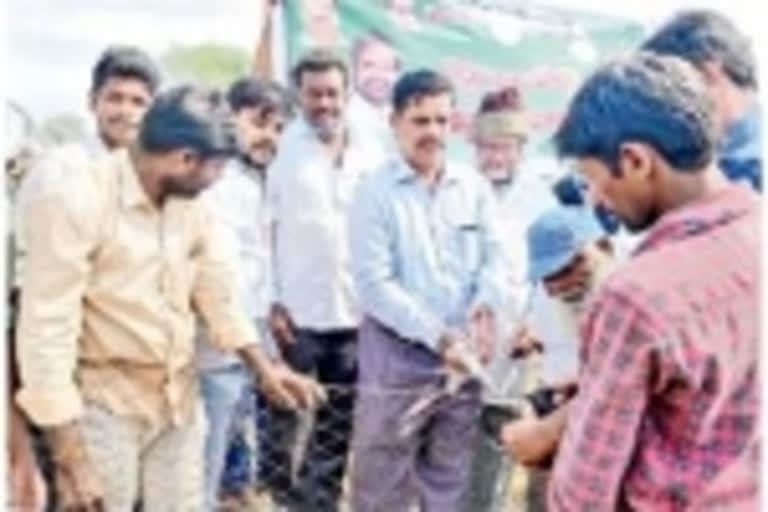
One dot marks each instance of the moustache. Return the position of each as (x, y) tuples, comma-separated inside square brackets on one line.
[(263, 146), (430, 141), (324, 112)]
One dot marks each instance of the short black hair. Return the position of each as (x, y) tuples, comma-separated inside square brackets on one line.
[(656, 100), (703, 35), (370, 38), (319, 60), (125, 62), (414, 85), (189, 116), (266, 95)]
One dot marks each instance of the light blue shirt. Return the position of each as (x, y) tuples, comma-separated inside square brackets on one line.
[(423, 259)]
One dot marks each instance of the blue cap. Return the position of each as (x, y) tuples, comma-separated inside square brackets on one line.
[(557, 236)]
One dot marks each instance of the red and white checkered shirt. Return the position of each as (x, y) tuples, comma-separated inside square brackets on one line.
[(666, 417)]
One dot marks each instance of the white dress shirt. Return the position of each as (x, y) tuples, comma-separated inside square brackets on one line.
[(521, 199), (309, 199), (372, 122), (237, 202)]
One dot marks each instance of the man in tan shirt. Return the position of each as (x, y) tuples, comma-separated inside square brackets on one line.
[(121, 257)]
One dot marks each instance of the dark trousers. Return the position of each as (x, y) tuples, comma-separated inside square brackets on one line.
[(332, 358)]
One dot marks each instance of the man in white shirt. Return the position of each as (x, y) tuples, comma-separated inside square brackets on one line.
[(314, 316), (376, 65), (260, 111), (500, 133)]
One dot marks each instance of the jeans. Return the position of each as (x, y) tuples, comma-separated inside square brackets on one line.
[(222, 389)]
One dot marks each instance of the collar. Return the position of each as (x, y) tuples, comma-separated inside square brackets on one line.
[(95, 146), (405, 173), (131, 191), (722, 207), (303, 130), (243, 164)]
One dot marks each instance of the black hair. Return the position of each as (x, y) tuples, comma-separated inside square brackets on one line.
[(191, 117), (701, 36), (319, 60), (125, 62), (414, 85), (659, 101), (266, 95)]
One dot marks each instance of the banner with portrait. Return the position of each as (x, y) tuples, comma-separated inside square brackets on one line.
[(481, 45)]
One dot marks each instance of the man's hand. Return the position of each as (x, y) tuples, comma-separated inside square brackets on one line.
[(281, 325), (289, 389), (77, 485), (565, 388), (482, 331), (452, 346), (279, 383), (533, 441), (524, 343), (26, 485)]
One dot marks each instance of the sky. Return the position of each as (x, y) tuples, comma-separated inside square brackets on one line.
[(56, 41)]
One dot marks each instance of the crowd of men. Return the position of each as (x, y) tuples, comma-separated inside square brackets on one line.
[(210, 248)]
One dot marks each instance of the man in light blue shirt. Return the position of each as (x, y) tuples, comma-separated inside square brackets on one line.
[(427, 262)]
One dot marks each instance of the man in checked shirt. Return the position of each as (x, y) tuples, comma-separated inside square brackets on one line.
[(666, 415)]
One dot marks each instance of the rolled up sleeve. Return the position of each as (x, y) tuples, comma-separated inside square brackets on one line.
[(59, 239), (215, 293)]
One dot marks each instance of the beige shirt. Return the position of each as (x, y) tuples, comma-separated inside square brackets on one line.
[(110, 294)]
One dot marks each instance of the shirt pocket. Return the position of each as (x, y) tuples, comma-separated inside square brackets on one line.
[(464, 247)]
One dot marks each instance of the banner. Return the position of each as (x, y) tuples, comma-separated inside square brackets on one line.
[(480, 45)]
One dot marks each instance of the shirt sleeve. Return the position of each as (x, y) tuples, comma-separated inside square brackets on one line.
[(60, 232), (615, 384), (215, 293), (273, 210), (372, 240)]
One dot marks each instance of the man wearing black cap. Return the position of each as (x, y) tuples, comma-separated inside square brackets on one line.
[(121, 256)]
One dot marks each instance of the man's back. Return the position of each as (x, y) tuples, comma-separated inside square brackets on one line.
[(669, 353)]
